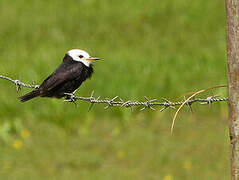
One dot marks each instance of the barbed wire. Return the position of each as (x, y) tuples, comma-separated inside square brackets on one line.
[(18, 83), (117, 101)]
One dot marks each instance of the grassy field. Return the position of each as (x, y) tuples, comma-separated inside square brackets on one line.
[(153, 48)]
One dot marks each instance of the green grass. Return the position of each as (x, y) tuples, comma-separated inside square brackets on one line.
[(153, 48), (103, 149)]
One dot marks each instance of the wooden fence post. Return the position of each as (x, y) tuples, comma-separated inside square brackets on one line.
[(232, 15)]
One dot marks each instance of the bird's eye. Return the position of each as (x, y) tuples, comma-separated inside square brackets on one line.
[(80, 56)]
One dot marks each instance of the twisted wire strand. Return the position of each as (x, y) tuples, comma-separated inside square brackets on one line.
[(116, 101)]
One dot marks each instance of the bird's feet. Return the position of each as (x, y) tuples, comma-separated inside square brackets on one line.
[(70, 97)]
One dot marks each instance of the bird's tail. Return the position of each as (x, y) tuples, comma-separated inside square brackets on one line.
[(29, 95)]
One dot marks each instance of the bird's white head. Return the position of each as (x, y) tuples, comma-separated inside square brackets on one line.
[(81, 56)]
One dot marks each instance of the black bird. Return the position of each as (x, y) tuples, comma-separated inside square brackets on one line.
[(75, 69)]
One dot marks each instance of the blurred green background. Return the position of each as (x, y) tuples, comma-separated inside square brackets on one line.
[(153, 48)]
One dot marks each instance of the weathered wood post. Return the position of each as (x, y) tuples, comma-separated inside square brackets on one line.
[(232, 14)]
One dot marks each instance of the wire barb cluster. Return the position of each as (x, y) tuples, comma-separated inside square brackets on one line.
[(117, 101), (18, 83)]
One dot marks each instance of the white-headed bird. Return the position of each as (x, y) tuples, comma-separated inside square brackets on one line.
[(75, 69)]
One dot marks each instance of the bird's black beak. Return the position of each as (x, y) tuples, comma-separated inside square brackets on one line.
[(93, 58)]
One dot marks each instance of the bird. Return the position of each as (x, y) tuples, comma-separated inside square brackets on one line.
[(75, 68)]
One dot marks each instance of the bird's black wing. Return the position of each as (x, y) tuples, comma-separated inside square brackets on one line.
[(65, 72)]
